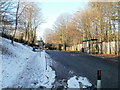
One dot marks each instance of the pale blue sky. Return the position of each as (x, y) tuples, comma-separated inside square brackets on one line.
[(55, 8), (51, 10)]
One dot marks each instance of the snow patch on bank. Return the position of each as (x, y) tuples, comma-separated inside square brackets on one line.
[(47, 76), (21, 67)]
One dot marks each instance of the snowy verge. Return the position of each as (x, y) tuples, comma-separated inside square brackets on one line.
[(21, 67)]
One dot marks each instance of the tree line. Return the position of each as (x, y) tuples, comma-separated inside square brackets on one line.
[(99, 20), (20, 20)]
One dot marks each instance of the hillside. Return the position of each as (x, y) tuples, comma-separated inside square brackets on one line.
[(21, 67)]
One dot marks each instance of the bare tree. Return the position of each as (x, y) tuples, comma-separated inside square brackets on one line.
[(5, 16), (31, 18), (16, 21)]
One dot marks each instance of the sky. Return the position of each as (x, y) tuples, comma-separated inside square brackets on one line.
[(51, 10)]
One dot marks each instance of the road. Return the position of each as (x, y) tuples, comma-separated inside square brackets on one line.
[(67, 64)]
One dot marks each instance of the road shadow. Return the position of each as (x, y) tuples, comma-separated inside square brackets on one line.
[(115, 58)]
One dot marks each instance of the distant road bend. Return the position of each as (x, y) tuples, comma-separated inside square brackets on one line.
[(84, 65)]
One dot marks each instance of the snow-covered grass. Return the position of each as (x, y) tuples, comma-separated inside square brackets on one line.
[(21, 67), (14, 59)]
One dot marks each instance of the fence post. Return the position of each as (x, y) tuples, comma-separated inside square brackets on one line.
[(99, 79)]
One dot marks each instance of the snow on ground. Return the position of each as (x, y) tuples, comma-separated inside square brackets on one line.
[(21, 67), (74, 82)]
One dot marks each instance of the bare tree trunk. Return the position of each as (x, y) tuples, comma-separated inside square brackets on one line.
[(16, 23), (28, 37), (25, 35), (34, 36), (109, 37), (29, 27)]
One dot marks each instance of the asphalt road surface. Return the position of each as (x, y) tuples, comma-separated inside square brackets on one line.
[(67, 64)]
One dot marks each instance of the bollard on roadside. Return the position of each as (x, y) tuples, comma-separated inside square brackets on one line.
[(99, 72)]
